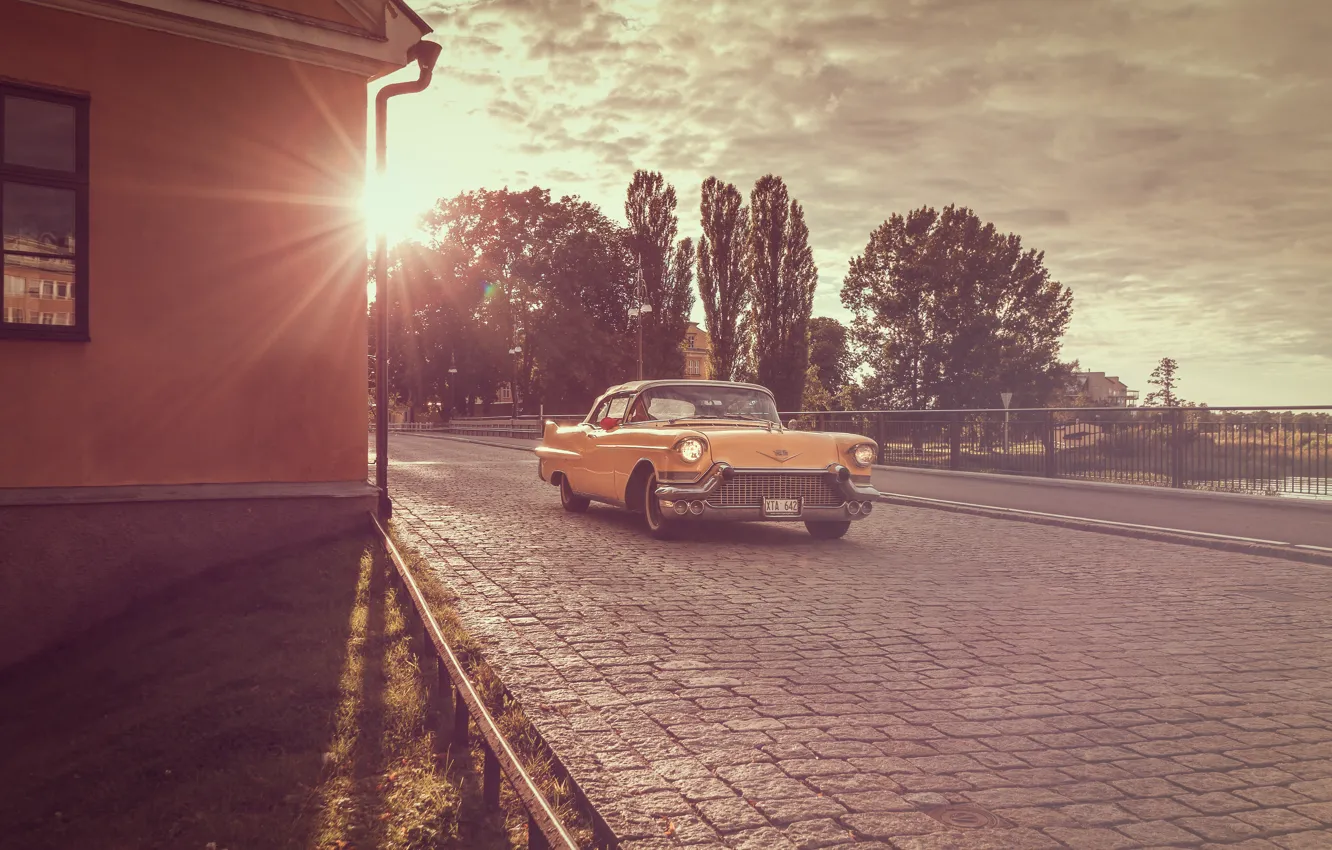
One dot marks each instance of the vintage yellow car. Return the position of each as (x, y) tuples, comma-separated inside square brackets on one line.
[(684, 450)]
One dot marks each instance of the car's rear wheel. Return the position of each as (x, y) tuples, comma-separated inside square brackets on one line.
[(828, 530), (573, 503), (657, 524)]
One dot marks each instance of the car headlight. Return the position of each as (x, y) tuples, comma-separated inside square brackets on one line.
[(863, 454), (690, 449)]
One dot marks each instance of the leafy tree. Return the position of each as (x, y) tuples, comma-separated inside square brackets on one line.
[(504, 268), (830, 353), (948, 312), (667, 271), (722, 281), (1163, 377), (781, 290)]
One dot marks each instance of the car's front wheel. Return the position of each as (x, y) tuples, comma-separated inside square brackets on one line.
[(572, 502), (657, 524), (828, 530)]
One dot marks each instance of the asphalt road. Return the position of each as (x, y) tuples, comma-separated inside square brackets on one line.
[(748, 686)]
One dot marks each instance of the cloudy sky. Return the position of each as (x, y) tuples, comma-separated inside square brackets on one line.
[(1172, 158)]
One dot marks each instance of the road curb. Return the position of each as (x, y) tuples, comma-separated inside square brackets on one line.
[(1243, 547)]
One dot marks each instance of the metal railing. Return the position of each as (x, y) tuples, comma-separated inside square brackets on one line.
[(1232, 449), (544, 830), (521, 427)]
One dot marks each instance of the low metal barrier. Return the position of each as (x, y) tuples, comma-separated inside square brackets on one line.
[(544, 830), (522, 427), (1235, 449)]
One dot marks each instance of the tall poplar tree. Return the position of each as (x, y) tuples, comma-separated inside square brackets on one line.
[(667, 270), (722, 281), (783, 277)]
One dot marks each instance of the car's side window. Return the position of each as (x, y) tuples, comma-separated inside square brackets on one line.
[(638, 412), (617, 407), (612, 408)]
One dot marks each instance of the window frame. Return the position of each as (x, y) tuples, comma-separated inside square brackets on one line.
[(594, 419), (78, 181)]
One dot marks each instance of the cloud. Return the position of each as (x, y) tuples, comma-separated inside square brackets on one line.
[(1171, 157)]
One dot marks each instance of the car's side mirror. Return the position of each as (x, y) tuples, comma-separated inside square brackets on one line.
[(793, 424), (609, 423)]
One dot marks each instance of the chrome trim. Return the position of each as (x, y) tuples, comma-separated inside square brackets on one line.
[(836, 474), (745, 513), (700, 488)]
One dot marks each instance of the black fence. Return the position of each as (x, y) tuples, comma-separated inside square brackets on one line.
[(1233, 449)]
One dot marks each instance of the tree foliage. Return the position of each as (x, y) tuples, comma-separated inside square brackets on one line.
[(506, 268), (667, 270), (830, 354), (722, 281), (949, 312), (1164, 379), (783, 277)]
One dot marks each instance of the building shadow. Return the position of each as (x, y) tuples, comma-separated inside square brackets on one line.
[(203, 714)]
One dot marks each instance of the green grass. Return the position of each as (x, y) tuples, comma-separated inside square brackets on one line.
[(513, 723), (271, 704)]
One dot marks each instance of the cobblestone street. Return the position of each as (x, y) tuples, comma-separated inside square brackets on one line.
[(748, 686)]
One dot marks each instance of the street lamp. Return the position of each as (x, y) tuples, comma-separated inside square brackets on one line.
[(513, 387), (638, 312), (453, 370), (425, 54)]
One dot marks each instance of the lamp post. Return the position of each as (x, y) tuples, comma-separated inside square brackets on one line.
[(1006, 398), (425, 54), (515, 352), (638, 312), (453, 370)]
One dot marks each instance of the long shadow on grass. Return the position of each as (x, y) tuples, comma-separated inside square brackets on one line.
[(202, 715)]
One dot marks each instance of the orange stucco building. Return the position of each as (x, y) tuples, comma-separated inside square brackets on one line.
[(184, 175)]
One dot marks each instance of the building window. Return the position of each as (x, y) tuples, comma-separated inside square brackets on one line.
[(689, 340), (44, 207), (693, 368)]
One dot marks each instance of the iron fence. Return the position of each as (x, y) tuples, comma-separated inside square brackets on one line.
[(1234, 449), (452, 692), (520, 427)]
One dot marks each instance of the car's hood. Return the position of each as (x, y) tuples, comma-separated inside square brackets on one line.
[(758, 447)]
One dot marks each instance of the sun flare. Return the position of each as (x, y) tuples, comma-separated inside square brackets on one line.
[(393, 208)]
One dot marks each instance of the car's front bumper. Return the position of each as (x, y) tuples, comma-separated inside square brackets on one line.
[(857, 499)]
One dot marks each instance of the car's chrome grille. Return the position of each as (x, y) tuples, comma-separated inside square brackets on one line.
[(750, 490)]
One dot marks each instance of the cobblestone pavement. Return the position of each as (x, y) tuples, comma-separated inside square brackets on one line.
[(751, 687)]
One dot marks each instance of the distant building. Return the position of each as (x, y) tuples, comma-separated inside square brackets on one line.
[(39, 281), (1104, 390), (698, 353)]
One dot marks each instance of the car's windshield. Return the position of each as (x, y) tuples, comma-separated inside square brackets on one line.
[(681, 401)]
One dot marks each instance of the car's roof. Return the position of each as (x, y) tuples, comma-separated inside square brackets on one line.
[(638, 386)]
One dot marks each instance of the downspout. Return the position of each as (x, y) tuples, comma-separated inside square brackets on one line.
[(425, 53)]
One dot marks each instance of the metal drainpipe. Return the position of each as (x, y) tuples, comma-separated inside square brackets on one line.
[(425, 53)]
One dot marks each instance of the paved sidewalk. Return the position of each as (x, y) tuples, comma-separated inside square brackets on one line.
[(751, 687)]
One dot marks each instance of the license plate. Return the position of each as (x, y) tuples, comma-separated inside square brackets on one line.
[(781, 507)]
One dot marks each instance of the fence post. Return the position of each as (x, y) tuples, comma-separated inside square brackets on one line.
[(1176, 449), (1047, 438), (954, 441)]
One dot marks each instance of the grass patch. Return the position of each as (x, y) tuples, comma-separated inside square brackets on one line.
[(271, 704), (536, 757)]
